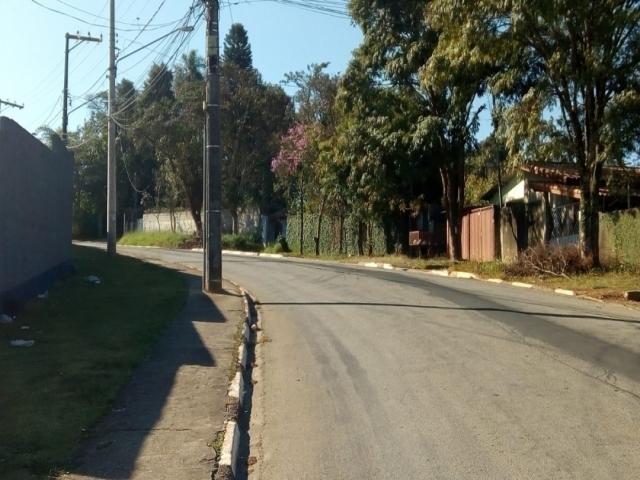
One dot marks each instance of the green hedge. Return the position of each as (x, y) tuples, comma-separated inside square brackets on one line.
[(620, 237), (330, 235)]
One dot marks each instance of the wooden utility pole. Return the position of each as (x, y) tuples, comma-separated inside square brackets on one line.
[(212, 278), (65, 91), (111, 133)]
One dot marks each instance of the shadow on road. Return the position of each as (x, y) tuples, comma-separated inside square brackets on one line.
[(609, 356)]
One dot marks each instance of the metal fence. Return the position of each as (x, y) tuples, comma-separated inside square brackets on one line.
[(565, 223)]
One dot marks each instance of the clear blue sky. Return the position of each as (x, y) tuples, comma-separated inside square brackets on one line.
[(283, 38)]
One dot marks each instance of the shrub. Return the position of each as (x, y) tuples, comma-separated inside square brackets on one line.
[(247, 242), (281, 245), (559, 261)]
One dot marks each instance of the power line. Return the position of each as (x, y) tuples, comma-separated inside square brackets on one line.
[(100, 25), (145, 26)]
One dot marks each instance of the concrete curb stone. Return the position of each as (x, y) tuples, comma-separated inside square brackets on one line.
[(227, 468)]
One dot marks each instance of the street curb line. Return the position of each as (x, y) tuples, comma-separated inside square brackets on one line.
[(563, 291), (521, 285), (473, 276), (228, 464), (249, 254)]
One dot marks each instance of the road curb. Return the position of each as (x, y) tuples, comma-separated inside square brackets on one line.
[(238, 394), (473, 276), (563, 291), (521, 285), (240, 253)]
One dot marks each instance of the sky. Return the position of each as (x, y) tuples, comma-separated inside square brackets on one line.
[(284, 38)]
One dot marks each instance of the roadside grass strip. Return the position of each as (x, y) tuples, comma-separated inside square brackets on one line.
[(157, 239), (88, 338)]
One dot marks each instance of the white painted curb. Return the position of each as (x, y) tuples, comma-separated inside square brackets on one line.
[(230, 445), (229, 460), (562, 291), (234, 388), (521, 285), (467, 275), (437, 273)]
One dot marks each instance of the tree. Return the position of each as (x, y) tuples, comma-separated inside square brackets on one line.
[(171, 126), (158, 85), (254, 116), (295, 155), (402, 52), (570, 70), (237, 49), (316, 114)]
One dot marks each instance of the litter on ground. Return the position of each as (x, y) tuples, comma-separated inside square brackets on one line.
[(93, 279)]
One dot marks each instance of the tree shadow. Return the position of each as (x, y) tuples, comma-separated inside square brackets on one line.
[(116, 443), (472, 309), (611, 357)]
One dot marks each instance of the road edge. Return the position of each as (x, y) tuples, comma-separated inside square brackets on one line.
[(239, 393)]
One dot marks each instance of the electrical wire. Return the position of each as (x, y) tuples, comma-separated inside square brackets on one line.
[(136, 26)]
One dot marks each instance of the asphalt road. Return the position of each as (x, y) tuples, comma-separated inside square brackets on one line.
[(370, 374)]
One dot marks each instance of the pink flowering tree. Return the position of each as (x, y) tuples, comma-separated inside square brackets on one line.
[(293, 146), (293, 162)]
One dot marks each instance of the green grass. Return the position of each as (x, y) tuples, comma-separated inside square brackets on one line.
[(599, 283), (88, 339), (157, 239)]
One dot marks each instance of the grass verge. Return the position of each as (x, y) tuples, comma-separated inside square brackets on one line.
[(88, 339), (157, 239)]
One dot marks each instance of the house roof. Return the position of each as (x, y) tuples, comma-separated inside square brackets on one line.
[(564, 179), (569, 174)]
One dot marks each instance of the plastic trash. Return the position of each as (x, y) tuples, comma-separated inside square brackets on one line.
[(93, 280), (22, 343), (5, 319), (25, 327), (44, 295)]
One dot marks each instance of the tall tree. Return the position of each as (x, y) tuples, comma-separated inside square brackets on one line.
[(571, 69), (158, 85), (401, 50), (316, 116), (254, 116), (237, 49)]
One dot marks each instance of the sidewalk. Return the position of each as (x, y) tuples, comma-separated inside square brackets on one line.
[(164, 421)]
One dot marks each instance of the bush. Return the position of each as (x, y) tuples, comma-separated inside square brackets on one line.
[(559, 261), (281, 245), (246, 242)]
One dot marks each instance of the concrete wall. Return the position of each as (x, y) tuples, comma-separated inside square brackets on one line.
[(163, 221), (249, 221), (35, 212)]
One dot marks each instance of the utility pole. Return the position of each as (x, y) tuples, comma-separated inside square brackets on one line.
[(111, 133), (212, 278), (11, 104), (65, 91)]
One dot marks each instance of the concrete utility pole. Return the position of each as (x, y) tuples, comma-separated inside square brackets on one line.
[(11, 104), (65, 91), (212, 278), (111, 132)]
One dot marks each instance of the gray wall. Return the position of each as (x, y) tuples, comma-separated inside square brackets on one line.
[(35, 210)]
